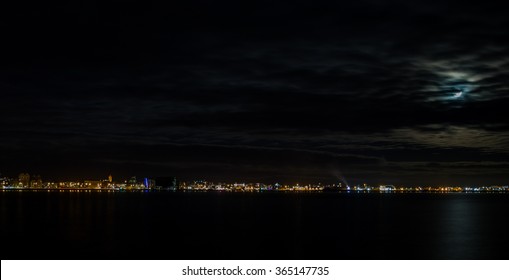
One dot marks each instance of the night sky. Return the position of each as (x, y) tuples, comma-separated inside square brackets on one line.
[(395, 92)]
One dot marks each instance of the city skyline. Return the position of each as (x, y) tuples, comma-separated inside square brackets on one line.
[(406, 93), (36, 181)]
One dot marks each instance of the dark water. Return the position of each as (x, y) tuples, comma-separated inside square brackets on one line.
[(167, 225)]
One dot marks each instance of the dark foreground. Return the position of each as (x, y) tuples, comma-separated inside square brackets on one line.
[(176, 225)]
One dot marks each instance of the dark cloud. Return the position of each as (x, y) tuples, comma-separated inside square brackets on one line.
[(258, 90)]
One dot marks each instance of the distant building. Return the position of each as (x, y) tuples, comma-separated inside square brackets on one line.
[(132, 182), (387, 188), (24, 180), (149, 183), (4, 181), (93, 184), (36, 181)]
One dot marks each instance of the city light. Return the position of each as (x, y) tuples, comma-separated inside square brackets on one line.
[(26, 182)]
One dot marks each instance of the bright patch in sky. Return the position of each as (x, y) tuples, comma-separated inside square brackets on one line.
[(450, 95)]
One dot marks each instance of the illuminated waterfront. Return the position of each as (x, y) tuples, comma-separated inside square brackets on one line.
[(26, 182), (490, 189)]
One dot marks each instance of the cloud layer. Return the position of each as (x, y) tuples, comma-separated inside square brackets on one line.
[(275, 91)]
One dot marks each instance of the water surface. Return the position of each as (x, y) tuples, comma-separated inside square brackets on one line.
[(178, 225)]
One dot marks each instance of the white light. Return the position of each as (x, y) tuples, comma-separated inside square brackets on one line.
[(458, 94)]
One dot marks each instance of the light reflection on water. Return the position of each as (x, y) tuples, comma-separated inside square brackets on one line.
[(459, 223), (103, 225)]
